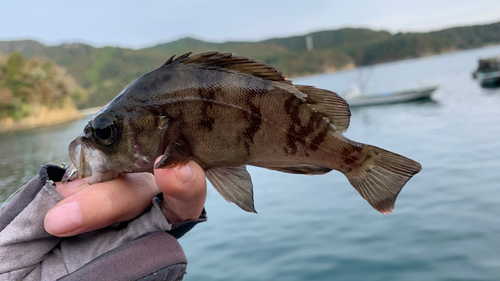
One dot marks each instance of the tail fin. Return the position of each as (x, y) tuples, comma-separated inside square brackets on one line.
[(382, 176)]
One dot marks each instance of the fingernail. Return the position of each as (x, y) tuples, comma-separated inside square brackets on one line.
[(185, 174), (76, 183), (64, 218)]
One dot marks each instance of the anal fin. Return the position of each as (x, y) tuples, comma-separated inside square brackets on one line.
[(234, 184)]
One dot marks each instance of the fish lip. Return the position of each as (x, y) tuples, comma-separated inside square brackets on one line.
[(72, 149), (72, 172), (88, 163)]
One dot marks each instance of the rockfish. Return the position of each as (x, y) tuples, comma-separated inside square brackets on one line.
[(226, 112)]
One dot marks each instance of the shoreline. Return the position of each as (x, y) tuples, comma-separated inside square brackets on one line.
[(90, 111), (44, 117), (52, 117)]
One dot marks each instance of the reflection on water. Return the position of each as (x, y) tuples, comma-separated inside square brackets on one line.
[(22, 153), (445, 225)]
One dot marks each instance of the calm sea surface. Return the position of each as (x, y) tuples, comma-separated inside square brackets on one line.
[(446, 224)]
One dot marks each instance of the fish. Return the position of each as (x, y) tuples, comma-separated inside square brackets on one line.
[(226, 112)]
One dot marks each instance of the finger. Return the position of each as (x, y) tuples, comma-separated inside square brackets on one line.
[(185, 191), (71, 187), (181, 182), (101, 204)]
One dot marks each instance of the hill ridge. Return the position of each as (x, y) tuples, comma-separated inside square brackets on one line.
[(105, 71)]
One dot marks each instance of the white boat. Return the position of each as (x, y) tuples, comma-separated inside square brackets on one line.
[(355, 98)]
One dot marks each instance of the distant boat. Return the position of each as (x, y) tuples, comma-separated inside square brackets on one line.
[(354, 97), (488, 72)]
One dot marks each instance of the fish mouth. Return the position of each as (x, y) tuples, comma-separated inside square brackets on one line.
[(88, 163)]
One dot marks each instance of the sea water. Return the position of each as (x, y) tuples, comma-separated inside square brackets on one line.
[(445, 225)]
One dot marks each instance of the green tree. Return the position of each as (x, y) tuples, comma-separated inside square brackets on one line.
[(25, 83)]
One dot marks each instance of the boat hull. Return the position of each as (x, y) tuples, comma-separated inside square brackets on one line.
[(392, 97), (488, 79), (488, 72)]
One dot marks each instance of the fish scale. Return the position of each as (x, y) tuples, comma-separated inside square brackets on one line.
[(226, 112)]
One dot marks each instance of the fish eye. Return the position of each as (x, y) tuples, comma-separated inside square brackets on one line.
[(104, 131)]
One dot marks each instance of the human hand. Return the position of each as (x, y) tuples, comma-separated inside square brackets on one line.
[(90, 207)]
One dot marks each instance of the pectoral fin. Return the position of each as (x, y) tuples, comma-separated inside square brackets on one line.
[(234, 184), (177, 153)]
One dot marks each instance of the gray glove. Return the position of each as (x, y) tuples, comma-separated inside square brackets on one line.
[(144, 248)]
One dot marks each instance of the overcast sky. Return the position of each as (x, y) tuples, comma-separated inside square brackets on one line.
[(142, 23)]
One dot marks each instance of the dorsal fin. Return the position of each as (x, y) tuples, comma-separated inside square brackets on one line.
[(331, 105), (216, 60)]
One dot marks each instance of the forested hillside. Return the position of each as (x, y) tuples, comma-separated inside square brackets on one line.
[(104, 72), (25, 85)]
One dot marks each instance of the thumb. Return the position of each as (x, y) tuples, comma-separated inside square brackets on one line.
[(184, 191)]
